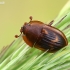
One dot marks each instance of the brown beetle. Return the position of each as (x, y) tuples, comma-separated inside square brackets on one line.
[(43, 36)]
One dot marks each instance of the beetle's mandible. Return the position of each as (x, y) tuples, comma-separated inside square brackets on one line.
[(43, 36)]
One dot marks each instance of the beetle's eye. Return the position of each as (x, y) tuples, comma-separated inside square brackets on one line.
[(25, 23)]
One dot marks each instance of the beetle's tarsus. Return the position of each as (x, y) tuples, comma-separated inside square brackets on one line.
[(51, 23)]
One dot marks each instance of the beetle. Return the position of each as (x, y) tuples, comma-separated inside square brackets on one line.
[(43, 36)]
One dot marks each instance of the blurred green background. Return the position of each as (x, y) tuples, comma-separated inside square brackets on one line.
[(13, 14)]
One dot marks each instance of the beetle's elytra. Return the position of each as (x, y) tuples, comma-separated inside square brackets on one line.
[(43, 36)]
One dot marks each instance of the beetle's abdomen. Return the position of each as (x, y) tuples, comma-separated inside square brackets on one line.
[(51, 41)]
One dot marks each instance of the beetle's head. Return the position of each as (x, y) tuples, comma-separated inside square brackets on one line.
[(25, 28), (31, 28)]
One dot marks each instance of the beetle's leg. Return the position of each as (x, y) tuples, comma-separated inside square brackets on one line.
[(30, 18), (51, 23)]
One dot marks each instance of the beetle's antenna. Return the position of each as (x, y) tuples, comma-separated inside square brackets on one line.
[(30, 18), (16, 36)]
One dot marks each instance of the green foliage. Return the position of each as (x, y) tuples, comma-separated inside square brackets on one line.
[(19, 56)]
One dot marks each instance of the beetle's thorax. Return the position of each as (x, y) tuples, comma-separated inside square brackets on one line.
[(32, 30)]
